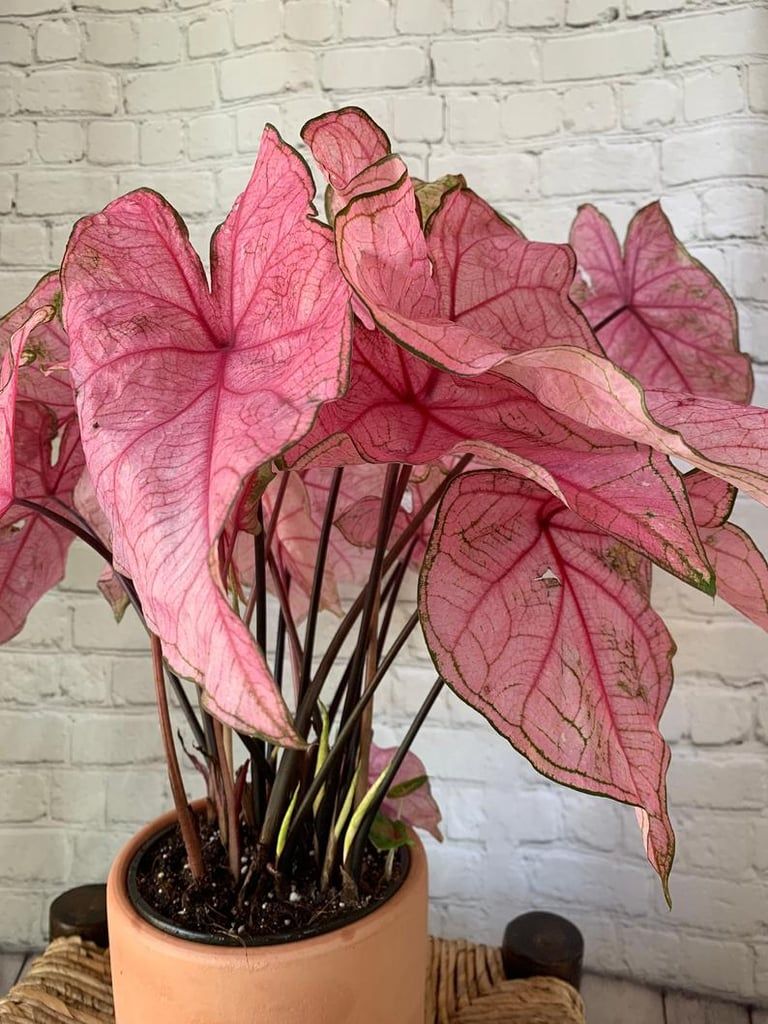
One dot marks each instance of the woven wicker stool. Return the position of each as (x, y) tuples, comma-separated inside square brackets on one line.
[(70, 984)]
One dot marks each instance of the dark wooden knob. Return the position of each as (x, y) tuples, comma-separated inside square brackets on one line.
[(539, 943), (81, 911)]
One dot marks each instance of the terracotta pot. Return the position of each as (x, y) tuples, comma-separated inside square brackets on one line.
[(371, 971)]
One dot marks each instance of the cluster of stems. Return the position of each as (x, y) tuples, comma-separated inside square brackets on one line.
[(316, 798)]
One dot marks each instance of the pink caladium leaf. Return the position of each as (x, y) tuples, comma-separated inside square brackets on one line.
[(184, 392), (722, 438), (33, 550), (497, 284), (659, 313), (531, 619), (410, 796), (43, 362), (398, 408), (740, 568)]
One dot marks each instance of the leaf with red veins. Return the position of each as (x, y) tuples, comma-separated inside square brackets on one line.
[(529, 620), (183, 392), (345, 143), (11, 395), (417, 808), (43, 373), (740, 568), (496, 283), (399, 409), (724, 439), (33, 550), (666, 319)]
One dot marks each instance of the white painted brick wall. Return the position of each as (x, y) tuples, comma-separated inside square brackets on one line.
[(543, 104)]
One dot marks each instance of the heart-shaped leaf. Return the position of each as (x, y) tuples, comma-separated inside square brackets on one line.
[(184, 392), (659, 313), (398, 408), (33, 550), (410, 796), (531, 619)]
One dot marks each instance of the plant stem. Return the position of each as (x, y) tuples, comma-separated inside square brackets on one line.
[(85, 535), (233, 829), (346, 732), (317, 580), (355, 859), (187, 822)]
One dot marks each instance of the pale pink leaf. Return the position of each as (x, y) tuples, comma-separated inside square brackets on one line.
[(87, 505), (185, 392), (740, 568), (345, 143), (33, 550), (666, 319), (419, 808), (724, 439), (398, 408), (496, 283), (531, 620), (10, 398)]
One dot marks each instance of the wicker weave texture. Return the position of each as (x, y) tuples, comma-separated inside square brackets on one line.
[(70, 984)]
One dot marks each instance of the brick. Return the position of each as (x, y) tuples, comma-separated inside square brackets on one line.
[(15, 44), (212, 135), (115, 739), (719, 844), (266, 72), (43, 855), (535, 13), (473, 119), (158, 39), (16, 141), (95, 628), (84, 680), (25, 796), (597, 824), (369, 19), (732, 150), (171, 89), (95, 851), (309, 21), (594, 881), (132, 681), (712, 93), (209, 36), (590, 12), (718, 718), (60, 141), (526, 114), (597, 167), (70, 91), (723, 782), (422, 17), (78, 797), (470, 61), (750, 273), (375, 67), (119, 6), (533, 816), (136, 796), (43, 739), (26, 7), (9, 88), (589, 108), (58, 40), (160, 142), (476, 15), (758, 88), (257, 21), (418, 118), (639, 8), (45, 192), (23, 918), (724, 34), (649, 103), (725, 650), (113, 142), (190, 195), (622, 51), (496, 177), (24, 244), (103, 45)]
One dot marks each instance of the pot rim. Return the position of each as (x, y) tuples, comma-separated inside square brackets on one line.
[(350, 930)]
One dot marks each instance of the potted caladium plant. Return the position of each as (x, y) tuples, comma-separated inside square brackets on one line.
[(412, 385)]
